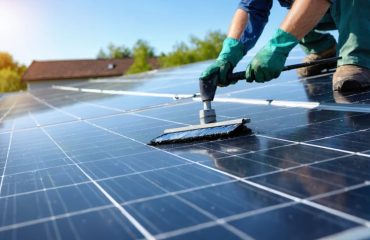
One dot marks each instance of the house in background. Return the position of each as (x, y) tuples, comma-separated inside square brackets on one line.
[(47, 73)]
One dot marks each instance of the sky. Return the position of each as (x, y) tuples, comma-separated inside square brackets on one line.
[(77, 29)]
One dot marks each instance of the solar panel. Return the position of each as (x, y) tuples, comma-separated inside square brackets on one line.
[(75, 164)]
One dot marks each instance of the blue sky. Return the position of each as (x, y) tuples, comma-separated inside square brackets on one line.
[(75, 29)]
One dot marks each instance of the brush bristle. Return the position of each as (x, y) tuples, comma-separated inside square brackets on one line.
[(201, 134)]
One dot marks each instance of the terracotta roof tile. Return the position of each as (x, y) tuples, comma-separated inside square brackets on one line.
[(77, 69)]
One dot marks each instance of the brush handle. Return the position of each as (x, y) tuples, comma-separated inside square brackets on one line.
[(241, 75)]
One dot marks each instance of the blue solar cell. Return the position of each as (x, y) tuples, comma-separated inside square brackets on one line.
[(166, 214), (41, 204), (306, 182), (234, 198), (355, 202), (108, 224), (295, 222), (217, 232)]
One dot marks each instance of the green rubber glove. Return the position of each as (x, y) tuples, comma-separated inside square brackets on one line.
[(270, 60), (232, 52)]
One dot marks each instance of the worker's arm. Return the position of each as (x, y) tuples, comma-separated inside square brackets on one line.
[(258, 12), (304, 16), (238, 24), (247, 25), (269, 61)]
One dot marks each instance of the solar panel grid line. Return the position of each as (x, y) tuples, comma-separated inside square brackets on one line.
[(34, 119), (336, 149), (192, 189), (65, 208), (52, 107), (254, 88), (346, 189), (293, 198), (144, 199), (58, 124), (296, 167), (135, 114), (39, 169), (55, 226), (338, 213), (6, 160), (317, 146), (53, 218), (180, 231), (141, 172), (183, 231), (127, 215), (314, 166), (251, 160), (8, 111), (326, 121), (169, 121), (222, 223), (209, 215), (115, 157), (197, 163), (43, 190), (341, 134), (249, 213), (318, 179), (209, 224), (353, 233), (250, 152)]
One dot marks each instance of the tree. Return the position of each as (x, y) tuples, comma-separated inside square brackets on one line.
[(181, 54), (199, 50), (6, 61), (10, 74), (102, 54), (142, 52), (115, 52), (208, 48), (10, 80)]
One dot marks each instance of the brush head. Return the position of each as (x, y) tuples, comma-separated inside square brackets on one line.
[(203, 132)]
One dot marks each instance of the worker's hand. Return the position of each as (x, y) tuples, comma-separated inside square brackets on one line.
[(269, 61), (219, 70), (231, 53)]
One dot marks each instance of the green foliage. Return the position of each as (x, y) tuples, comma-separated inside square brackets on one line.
[(115, 52), (6, 61), (142, 52), (10, 81), (198, 50), (182, 54), (10, 74)]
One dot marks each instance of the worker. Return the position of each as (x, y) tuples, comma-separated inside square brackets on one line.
[(302, 26)]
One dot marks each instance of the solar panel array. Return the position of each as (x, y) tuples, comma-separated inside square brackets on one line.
[(75, 164)]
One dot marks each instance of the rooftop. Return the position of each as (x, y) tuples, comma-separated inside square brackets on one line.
[(78, 69), (75, 163)]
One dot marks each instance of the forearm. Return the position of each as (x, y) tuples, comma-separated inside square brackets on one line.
[(238, 24), (304, 16)]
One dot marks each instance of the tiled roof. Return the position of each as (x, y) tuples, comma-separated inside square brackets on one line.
[(77, 69)]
